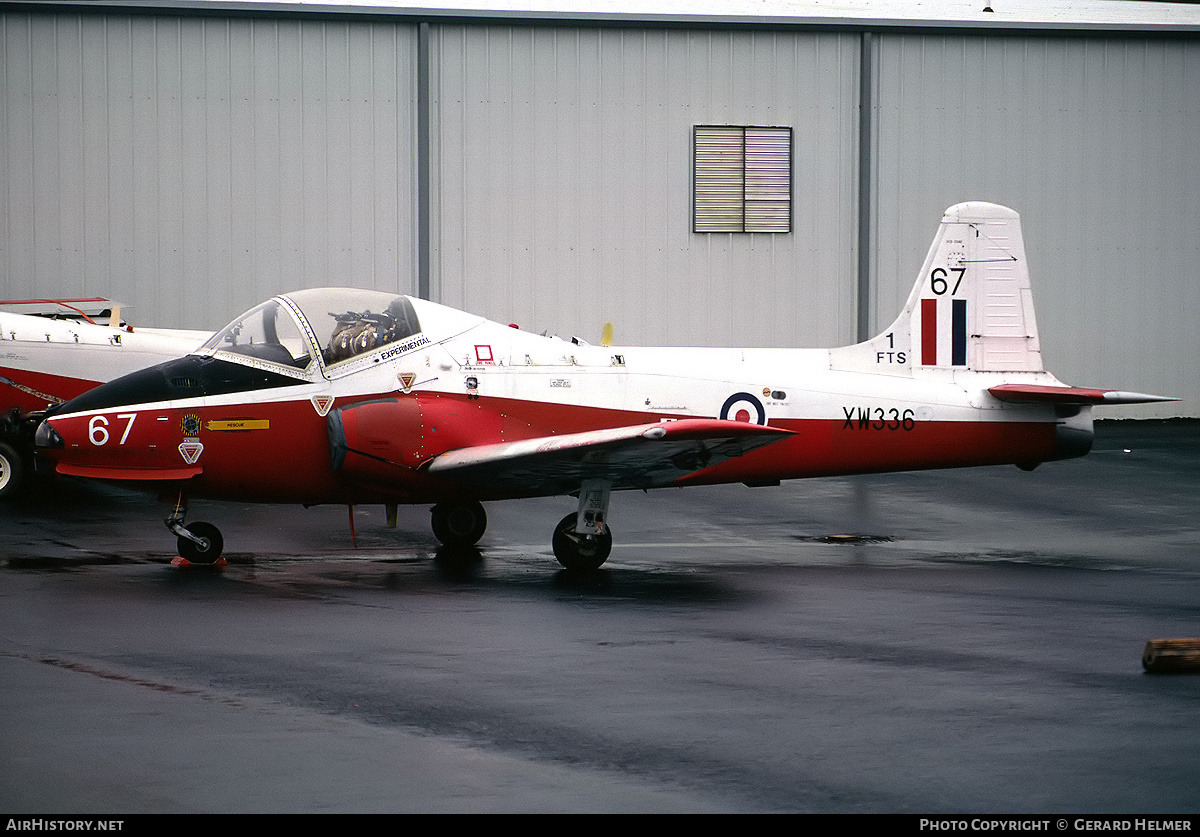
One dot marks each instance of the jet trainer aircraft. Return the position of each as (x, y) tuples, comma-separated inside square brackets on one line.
[(351, 396)]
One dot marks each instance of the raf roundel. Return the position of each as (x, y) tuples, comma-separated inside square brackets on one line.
[(744, 407)]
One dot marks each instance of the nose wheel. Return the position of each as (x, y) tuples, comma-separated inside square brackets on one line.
[(199, 542), (204, 544)]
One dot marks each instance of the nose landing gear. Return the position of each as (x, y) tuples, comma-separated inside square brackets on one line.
[(199, 542)]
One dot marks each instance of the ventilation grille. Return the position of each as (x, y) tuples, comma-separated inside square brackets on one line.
[(742, 179)]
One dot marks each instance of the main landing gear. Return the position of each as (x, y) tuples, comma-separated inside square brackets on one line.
[(585, 550), (581, 541), (459, 524), (199, 542)]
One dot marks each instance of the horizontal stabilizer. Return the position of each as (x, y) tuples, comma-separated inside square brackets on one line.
[(1039, 394), (638, 456)]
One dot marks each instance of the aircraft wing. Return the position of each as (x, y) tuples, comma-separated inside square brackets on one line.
[(1040, 394), (639, 456)]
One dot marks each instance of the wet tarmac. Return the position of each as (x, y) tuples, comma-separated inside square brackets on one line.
[(974, 648)]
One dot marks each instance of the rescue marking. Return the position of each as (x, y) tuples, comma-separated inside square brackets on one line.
[(190, 450), (322, 403), (238, 424), (407, 379)]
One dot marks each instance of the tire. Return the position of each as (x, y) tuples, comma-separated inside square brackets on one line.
[(13, 471), (580, 552), (459, 524), (193, 552)]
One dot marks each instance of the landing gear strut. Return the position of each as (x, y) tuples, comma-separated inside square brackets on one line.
[(459, 524), (199, 542)]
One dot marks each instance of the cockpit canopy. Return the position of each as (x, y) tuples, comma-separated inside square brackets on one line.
[(333, 324)]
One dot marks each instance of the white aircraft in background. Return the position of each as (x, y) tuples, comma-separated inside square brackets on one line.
[(52, 350)]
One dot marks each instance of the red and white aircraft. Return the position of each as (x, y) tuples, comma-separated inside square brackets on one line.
[(350, 396)]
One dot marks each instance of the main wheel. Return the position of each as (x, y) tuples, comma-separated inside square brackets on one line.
[(580, 552), (459, 524), (12, 470), (197, 554)]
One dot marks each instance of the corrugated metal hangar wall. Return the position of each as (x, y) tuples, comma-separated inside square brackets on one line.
[(1094, 140), (565, 182), (193, 165)]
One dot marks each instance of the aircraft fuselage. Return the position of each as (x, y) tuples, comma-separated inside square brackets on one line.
[(496, 384)]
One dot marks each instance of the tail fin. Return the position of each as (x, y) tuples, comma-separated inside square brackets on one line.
[(971, 307)]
